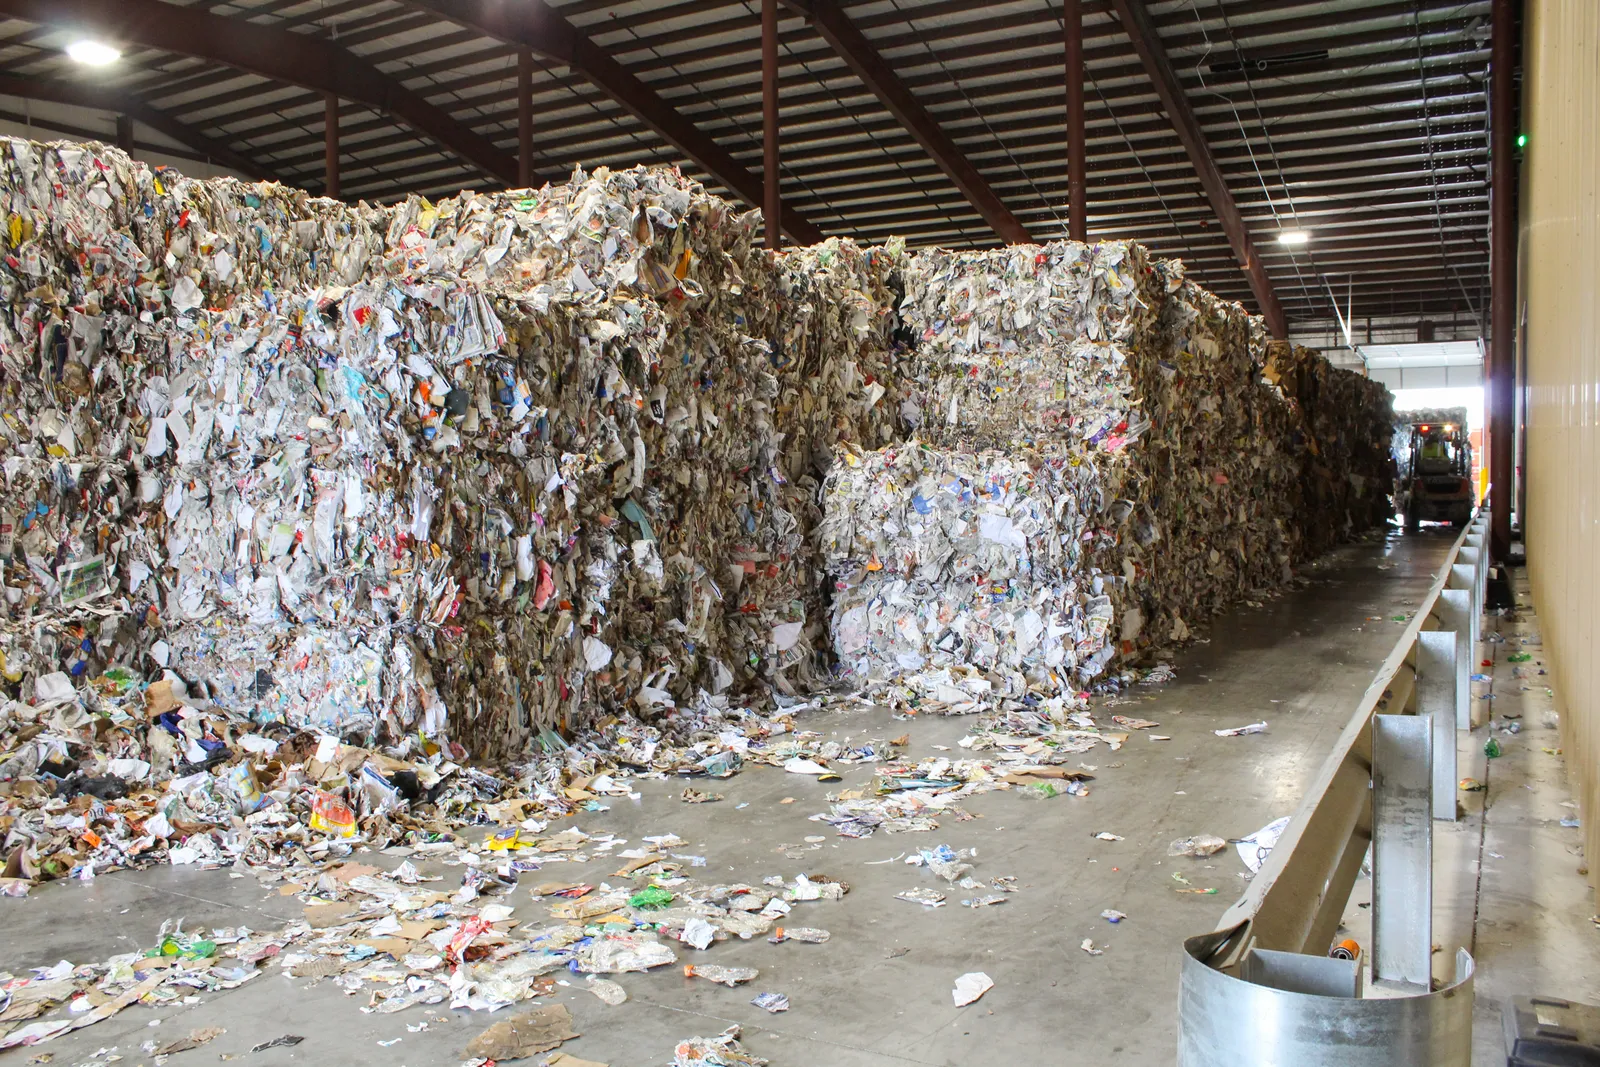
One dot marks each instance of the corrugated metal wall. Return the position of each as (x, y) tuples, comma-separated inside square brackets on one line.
[(1560, 270)]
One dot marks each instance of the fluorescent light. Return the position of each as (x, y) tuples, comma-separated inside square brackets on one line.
[(93, 53), (1293, 237)]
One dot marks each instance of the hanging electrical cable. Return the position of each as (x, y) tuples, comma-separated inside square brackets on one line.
[(983, 118)]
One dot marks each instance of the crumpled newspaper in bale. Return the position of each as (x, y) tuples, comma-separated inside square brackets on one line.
[(1097, 463), (1344, 419), (964, 558), (490, 464)]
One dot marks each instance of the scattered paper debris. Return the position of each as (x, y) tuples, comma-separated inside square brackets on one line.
[(971, 986), (772, 1002), (193, 1039), (525, 1035), (1254, 849), (724, 1050), (608, 991)]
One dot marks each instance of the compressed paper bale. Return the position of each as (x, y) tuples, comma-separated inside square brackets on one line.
[(1346, 421), (959, 558), (1098, 462), (510, 459), (487, 466)]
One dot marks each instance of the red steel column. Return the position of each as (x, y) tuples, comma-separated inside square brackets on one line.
[(771, 205), (1500, 373), (1077, 210), (330, 143), (524, 118)]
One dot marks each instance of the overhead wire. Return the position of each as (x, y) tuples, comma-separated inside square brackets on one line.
[(446, 158), (1294, 259), (942, 212), (983, 118), (1433, 176), (716, 104)]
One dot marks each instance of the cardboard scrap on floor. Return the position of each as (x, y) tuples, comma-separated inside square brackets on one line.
[(528, 1034), (193, 1039)]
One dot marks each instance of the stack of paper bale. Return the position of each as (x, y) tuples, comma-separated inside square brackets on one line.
[(502, 460), (651, 489), (1345, 420), (1404, 420), (505, 463), (1097, 463)]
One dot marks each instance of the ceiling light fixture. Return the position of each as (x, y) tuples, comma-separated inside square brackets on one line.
[(93, 53), (1293, 237)]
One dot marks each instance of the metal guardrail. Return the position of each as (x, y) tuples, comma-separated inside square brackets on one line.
[(1262, 989)]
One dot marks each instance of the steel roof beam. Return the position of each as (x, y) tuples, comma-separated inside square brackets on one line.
[(281, 55), (932, 96), (1105, 139), (852, 46), (1309, 207), (808, 130), (533, 25), (1041, 49), (443, 67), (119, 103), (1147, 42), (1137, 219), (1167, 168), (800, 86)]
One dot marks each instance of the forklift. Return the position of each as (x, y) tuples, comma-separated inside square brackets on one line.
[(1434, 482)]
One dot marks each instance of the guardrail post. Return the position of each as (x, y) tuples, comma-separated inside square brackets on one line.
[(1462, 576), (1477, 538), (1402, 850), (1455, 613), (1259, 991), (1436, 702), (1472, 557)]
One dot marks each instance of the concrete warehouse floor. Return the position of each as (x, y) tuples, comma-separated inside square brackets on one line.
[(1508, 872), (878, 993)]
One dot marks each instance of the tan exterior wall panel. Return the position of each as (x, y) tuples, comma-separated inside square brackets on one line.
[(1560, 250)]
